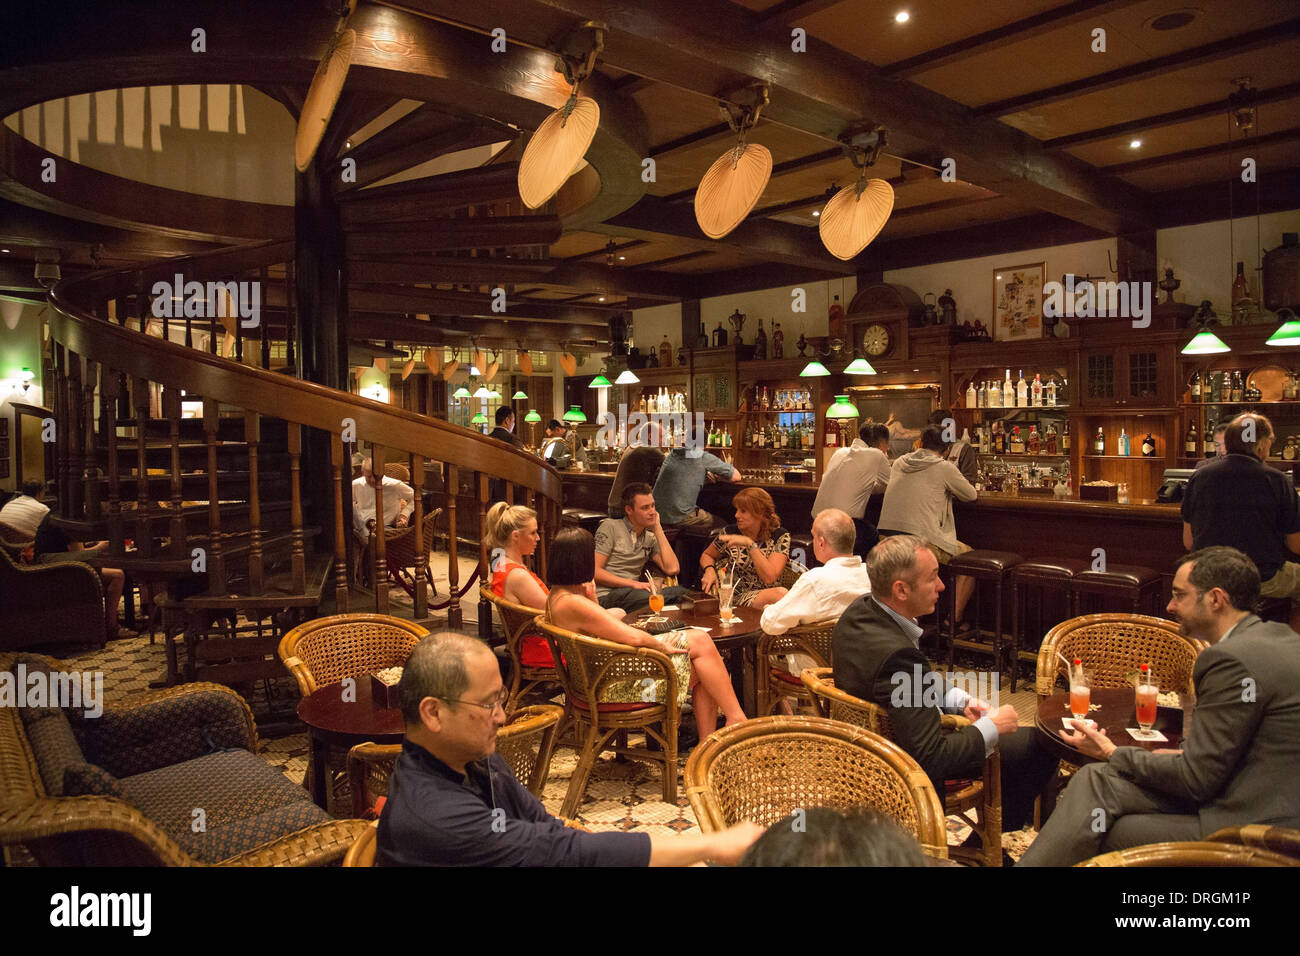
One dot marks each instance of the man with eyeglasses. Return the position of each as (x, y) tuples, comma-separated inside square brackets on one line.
[(453, 801), (1237, 761)]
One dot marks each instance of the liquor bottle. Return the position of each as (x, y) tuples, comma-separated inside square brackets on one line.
[(1008, 392), (1051, 391), (1065, 440), (1240, 290), (835, 320), (778, 342), (1207, 440), (1036, 390), (1252, 392), (1238, 388), (1022, 392), (1289, 390), (1099, 443), (1148, 446), (713, 437), (1216, 386), (1196, 386), (972, 397), (832, 437), (726, 438), (1063, 393), (994, 395), (641, 407), (766, 402), (1017, 443), (1033, 440), (1123, 443), (982, 396), (808, 438), (1193, 441), (1051, 439)]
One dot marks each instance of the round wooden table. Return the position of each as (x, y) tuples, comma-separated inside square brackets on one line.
[(736, 642), (1114, 710), (335, 718)]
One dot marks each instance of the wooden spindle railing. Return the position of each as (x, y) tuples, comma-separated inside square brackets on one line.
[(297, 557), (90, 475), (217, 581), (421, 546), (77, 461), (452, 485), (176, 526), (140, 402), (381, 559), (341, 570), (253, 436), (109, 395)]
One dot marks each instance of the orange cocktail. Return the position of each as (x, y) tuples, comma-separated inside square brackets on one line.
[(1146, 705), (656, 603), (1080, 690)]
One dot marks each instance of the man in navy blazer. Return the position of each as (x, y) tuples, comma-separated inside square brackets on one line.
[(1238, 760), (877, 657)]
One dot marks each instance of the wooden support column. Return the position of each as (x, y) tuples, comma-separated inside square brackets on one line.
[(140, 400), (380, 568), (297, 560), (109, 392), (484, 606), (421, 545), (341, 570), (452, 485)]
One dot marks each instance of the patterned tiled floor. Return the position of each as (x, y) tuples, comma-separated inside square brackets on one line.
[(622, 795)]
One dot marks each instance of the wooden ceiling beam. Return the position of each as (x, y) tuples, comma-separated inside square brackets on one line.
[(353, 112), (989, 40), (1218, 108), (621, 280), (790, 11), (705, 46), (1242, 145), (493, 332), (402, 301), (1144, 69), (391, 151), (430, 197), (653, 218), (500, 232), (475, 270)]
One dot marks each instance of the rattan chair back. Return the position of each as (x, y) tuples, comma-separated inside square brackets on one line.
[(1191, 854), (362, 852), (766, 768), (842, 706), (1282, 840), (1115, 645), (13, 541), (519, 621), (399, 545), (328, 649), (813, 640), (585, 664)]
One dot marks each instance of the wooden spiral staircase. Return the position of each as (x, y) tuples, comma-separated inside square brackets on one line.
[(229, 478)]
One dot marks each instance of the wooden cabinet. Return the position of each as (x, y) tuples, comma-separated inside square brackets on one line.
[(1133, 376)]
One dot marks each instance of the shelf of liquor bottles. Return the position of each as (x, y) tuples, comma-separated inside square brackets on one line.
[(1227, 385)]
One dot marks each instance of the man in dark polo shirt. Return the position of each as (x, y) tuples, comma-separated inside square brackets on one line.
[(639, 465), (1240, 502), (453, 801)]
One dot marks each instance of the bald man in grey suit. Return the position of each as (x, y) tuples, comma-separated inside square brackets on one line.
[(1238, 762)]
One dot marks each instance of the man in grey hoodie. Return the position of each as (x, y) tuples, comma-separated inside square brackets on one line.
[(918, 501)]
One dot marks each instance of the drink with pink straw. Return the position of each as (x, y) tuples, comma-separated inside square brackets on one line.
[(1147, 692), (1080, 690)]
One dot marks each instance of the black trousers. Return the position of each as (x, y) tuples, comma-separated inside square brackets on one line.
[(867, 537), (1027, 766)]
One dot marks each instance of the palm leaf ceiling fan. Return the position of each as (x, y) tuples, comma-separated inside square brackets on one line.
[(732, 185), (326, 85), (856, 214), (555, 150)]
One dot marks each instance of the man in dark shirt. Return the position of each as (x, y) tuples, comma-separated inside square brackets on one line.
[(453, 801), (639, 465), (875, 647), (1241, 502), (505, 430)]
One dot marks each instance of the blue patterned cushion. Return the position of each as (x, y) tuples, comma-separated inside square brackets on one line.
[(163, 732), (244, 800), (85, 779), (55, 749)]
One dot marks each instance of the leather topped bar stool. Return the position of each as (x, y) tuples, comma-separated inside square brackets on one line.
[(1127, 585), (1047, 575), (993, 567), (582, 518)]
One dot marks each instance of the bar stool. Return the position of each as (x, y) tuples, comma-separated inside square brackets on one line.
[(1128, 585), (1047, 575), (988, 566)]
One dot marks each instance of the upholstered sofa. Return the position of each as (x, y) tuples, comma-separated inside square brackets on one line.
[(165, 777), (49, 604)]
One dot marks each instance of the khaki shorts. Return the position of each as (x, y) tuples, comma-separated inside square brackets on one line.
[(943, 557), (1286, 583)]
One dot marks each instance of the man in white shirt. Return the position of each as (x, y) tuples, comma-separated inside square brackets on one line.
[(821, 594), (399, 501), (24, 513), (852, 474)]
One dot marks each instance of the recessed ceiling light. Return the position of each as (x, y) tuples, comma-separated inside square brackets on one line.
[(902, 16), (348, 144), (817, 212), (1174, 20), (997, 277), (4, 250), (1135, 144), (602, 298), (621, 258)]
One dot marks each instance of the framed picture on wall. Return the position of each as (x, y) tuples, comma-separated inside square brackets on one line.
[(1018, 302)]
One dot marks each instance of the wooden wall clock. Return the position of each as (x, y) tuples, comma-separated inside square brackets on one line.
[(879, 318)]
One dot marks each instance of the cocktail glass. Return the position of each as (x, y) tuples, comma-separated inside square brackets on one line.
[(726, 587), (656, 601), (1080, 692), (1146, 703)]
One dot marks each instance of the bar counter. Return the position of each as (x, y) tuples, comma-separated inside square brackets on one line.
[(1142, 532)]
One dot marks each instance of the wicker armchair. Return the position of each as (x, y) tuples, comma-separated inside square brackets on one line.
[(526, 743), (401, 557), (585, 665), (150, 758), (518, 622), (766, 768), (1115, 644), (328, 649), (50, 604), (13, 541), (1261, 836), (977, 802), (775, 680), (1191, 854)]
